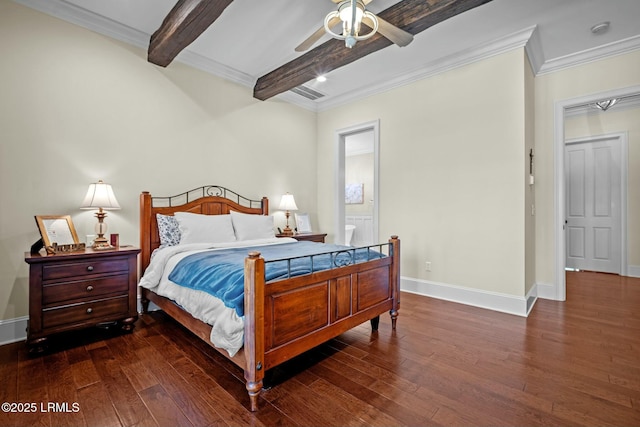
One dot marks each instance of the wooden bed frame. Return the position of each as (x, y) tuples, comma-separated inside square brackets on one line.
[(283, 318)]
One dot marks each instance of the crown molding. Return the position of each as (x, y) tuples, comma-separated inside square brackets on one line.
[(89, 20), (534, 51), (590, 55), (459, 59), (298, 100), (217, 69)]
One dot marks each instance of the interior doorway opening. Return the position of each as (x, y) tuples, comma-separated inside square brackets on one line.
[(357, 186), (561, 108)]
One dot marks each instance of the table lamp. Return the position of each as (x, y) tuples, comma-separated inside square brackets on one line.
[(100, 196), (287, 204)]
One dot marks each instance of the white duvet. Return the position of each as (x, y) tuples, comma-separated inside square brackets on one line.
[(227, 328)]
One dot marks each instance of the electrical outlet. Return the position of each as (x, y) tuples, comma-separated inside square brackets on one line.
[(427, 266)]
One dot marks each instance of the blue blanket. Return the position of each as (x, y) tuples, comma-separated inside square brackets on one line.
[(221, 272)]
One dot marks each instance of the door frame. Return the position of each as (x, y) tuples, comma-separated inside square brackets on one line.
[(340, 137), (621, 138), (560, 290)]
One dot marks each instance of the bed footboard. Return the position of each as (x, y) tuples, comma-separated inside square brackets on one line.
[(288, 317)]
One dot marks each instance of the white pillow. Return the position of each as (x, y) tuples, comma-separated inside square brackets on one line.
[(197, 228), (250, 227)]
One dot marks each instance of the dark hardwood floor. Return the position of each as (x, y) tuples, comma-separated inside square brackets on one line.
[(569, 363)]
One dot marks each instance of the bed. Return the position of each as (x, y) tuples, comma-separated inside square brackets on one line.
[(281, 317)]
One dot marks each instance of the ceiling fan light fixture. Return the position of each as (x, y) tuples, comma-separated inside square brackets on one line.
[(345, 10), (351, 13), (606, 104)]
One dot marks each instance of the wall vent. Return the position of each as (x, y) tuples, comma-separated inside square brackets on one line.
[(307, 92)]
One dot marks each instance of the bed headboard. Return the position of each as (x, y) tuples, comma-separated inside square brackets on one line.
[(207, 200)]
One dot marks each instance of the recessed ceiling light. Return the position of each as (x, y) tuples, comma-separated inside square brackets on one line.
[(321, 79), (600, 28)]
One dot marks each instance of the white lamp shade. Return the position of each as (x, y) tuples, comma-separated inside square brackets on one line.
[(288, 203), (100, 195)]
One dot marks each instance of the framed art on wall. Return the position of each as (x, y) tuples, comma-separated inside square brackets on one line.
[(354, 194)]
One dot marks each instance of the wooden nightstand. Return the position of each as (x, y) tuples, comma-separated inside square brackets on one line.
[(80, 289), (311, 237)]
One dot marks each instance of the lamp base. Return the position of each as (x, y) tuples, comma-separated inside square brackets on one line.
[(287, 231), (101, 243)]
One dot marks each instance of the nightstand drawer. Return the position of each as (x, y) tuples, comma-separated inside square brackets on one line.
[(92, 288), (75, 269), (86, 312)]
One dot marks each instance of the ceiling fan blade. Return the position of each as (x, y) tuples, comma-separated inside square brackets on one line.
[(313, 38), (390, 31)]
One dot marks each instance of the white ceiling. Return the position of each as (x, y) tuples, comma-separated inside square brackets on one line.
[(252, 38)]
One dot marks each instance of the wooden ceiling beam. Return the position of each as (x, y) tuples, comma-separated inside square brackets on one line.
[(184, 23), (413, 16)]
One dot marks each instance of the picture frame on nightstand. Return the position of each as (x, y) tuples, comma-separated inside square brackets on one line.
[(57, 233), (303, 224)]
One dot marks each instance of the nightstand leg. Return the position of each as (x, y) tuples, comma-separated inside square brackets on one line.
[(38, 345), (129, 323)]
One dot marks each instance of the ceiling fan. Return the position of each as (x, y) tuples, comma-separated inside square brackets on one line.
[(351, 14)]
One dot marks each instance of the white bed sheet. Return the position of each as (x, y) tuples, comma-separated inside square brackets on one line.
[(227, 328)]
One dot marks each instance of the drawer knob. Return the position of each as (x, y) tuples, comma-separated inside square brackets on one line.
[(90, 268), (89, 310), (89, 288)]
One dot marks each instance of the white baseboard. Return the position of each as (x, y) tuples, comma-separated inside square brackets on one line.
[(633, 270), (13, 330), (520, 306), (546, 291)]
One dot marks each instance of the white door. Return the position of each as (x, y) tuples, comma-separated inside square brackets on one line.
[(593, 205)]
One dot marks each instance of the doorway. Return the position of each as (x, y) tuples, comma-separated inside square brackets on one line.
[(558, 292), (357, 184), (595, 195)]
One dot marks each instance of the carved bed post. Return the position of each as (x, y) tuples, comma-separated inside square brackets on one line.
[(254, 325), (395, 279), (145, 242)]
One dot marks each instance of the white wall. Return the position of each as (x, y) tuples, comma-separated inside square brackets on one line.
[(452, 168), (529, 190), (76, 107)]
